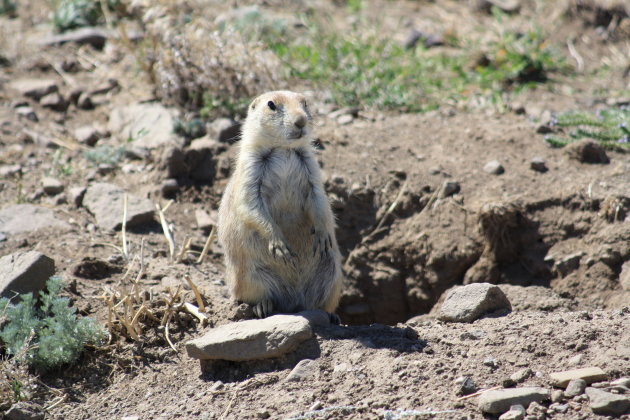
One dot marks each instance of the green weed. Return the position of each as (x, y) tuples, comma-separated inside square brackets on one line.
[(105, 155), (71, 14), (609, 127), (58, 337), (8, 7)]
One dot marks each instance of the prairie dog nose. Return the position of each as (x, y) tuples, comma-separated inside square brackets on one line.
[(300, 121)]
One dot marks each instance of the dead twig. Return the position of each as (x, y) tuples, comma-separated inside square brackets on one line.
[(124, 228), (166, 230), (195, 290), (227, 409), (206, 247)]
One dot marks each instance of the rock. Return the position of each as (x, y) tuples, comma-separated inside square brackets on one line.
[(224, 130), (557, 395), (521, 375), (575, 360), (605, 403), (24, 272), (251, 340), (169, 188), (147, 125), (449, 188), (95, 37), (568, 264), (624, 277), (204, 220), (52, 186), (507, 6), (175, 161), (467, 303), (575, 387), (499, 401), (25, 410), (589, 374), (200, 158), (105, 87), (87, 135), (491, 362), (22, 218), (304, 370), (559, 408), (34, 88), (26, 112), (345, 119), (538, 164), (587, 151), (494, 167), (94, 269), (76, 195), (466, 384), (8, 171), (84, 101), (105, 202), (621, 382), (516, 412), (54, 101)]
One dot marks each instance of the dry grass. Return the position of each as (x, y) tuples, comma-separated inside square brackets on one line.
[(197, 66)]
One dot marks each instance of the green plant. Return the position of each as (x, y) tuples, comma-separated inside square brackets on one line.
[(58, 337), (71, 14), (609, 127), (191, 128), (61, 165), (8, 7), (108, 155)]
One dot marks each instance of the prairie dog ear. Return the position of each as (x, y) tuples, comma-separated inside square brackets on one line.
[(254, 104)]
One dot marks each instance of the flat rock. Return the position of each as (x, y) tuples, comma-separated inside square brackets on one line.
[(105, 202), (589, 374), (605, 403), (500, 401), (587, 151), (22, 218), (34, 88), (467, 303), (148, 125), (516, 412), (95, 37), (252, 339), (87, 135), (52, 186), (304, 370), (24, 272)]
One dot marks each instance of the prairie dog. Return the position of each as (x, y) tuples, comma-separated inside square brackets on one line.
[(275, 222)]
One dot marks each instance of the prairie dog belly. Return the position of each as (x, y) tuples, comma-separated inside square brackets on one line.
[(285, 188)]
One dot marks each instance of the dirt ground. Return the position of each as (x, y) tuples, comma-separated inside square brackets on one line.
[(556, 245)]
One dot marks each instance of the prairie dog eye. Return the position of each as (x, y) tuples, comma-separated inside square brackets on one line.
[(271, 105)]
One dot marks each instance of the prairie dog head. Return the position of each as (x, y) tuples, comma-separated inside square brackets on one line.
[(278, 119)]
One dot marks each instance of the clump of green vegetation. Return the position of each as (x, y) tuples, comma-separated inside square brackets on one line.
[(56, 336), (107, 155), (190, 128), (519, 60), (71, 14), (609, 127), (8, 7)]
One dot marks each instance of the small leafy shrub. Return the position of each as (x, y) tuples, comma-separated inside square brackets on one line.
[(58, 337), (8, 7), (609, 127), (71, 14), (107, 155), (519, 59)]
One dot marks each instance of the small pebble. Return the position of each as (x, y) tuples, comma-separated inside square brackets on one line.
[(494, 167), (538, 164)]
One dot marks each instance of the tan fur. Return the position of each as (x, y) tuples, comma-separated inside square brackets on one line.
[(275, 221)]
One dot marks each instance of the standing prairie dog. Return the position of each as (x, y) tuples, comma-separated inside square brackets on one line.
[(275, 221)]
